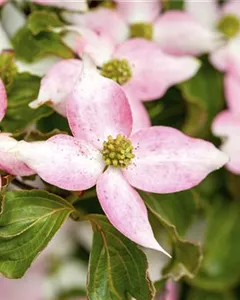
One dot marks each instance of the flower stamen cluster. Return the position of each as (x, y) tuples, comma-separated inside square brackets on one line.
[(117, 70), (141, 30), (229, 25), (117, 152)]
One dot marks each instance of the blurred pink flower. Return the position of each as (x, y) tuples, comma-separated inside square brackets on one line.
[(3, 2), (175, 31), (227, 124), (8, 161), (3, 100), (171, 291), (104, 152), (30, 287), (202, 28), (225, 21)]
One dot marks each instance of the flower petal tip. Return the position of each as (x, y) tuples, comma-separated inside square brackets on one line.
[(223, 159), (35, 104), (196, 65), (164, 251), (154, 245)]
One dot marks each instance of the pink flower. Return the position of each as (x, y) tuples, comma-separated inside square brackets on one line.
[(104, 152), (127, 65), (227, 124), (58, 83), (225, 21), (30, 287), (77, 5), (8, 161), (171, 291), (2, 2), (3, 100), (175, 31)]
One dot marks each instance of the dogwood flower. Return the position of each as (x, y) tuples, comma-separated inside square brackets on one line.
[(227, 22), (58, 83), (227, 124), (103, 152), (175, 31), (126, 63), (8, 162)]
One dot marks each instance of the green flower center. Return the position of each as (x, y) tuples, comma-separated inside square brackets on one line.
[(108, 4), (141, 30), (117, 152), (118, 70), (229, 25)]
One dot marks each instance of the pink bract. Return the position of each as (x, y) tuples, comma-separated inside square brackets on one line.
[(8, 162), (58, 83), (165, 159), (171, 291), (3, 100), (152, 79), (227, 123), (225, 57)]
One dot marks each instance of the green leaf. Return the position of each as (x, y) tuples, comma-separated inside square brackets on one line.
[(220, 267), (23, 90), (169, 110), (204, 96), (117, 265), (29, 47), (173, 4), (36, 135), (28, 221), (8, 68), (176, 212), (233, 183), (53, 122), (40, 21)]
